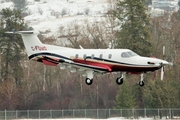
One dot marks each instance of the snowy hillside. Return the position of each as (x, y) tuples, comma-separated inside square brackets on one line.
[(51, 14)]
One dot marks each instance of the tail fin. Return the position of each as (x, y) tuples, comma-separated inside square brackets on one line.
[(31, 41)]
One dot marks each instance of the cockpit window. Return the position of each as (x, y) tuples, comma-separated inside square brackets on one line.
[(128, 54), (131, 53), (125, 55)]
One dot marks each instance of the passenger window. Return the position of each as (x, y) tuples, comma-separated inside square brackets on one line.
[(84, 56), (100, 56), (125, 55), (76, 56), (110, 56), (92, 56)]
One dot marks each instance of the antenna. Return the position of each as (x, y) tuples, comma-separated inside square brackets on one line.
[(110, 45)]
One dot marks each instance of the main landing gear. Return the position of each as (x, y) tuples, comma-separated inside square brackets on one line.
[(120, 79), (89, 79)]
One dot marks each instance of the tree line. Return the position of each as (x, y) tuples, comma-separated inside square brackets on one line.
[(26, 84)]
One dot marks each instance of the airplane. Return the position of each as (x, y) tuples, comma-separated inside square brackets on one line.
[(90, 62)]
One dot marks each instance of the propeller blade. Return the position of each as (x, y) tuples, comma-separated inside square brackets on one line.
[(162, 72)]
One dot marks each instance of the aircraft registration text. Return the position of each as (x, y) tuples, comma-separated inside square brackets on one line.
[(38, 48)]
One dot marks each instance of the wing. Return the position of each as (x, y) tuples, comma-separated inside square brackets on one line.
[(79, 67), (72, 66), (52, 62)]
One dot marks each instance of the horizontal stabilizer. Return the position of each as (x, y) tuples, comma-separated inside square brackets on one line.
[(21, 32)]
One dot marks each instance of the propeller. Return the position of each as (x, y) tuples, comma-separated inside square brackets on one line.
[(162, 68), (162, 72), (163, 63)]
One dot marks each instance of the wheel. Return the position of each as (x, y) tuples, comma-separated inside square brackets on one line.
[(119, 80), (89, 81), (141, 83)]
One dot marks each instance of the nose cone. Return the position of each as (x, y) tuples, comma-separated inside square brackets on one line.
[(158, 62), (164, 62)]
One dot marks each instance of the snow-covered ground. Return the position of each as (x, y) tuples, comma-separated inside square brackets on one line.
[(52, 14)]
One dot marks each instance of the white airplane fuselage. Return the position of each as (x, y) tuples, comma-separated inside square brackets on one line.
[(110, 60)]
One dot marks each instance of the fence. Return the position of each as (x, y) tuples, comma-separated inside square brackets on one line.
[(91, 113)]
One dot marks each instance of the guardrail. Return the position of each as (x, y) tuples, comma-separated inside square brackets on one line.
[(91, 113)]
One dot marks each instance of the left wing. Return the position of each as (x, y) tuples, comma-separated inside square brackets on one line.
[(52, 62), (72, 65)]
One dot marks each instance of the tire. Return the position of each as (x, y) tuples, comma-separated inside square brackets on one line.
[(141, 83), (119, 80), (89, 81)]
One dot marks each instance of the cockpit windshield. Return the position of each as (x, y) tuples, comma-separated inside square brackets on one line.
[(131, 53), (128, 54)]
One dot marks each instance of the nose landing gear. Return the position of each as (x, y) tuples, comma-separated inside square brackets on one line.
[(141, 82)]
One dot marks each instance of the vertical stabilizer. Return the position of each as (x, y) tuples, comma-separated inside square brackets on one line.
[(31, 42)]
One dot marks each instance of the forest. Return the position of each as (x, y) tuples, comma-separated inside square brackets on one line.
[(29, 85)]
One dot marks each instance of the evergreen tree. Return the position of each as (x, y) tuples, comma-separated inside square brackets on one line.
[(162, 94), (134, 34), (125, 97), (11, 46), (134, 24)]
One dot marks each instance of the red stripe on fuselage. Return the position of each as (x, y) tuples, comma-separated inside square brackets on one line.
[(113, 67)]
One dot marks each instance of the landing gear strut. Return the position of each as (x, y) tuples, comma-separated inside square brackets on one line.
[(141, 83)]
